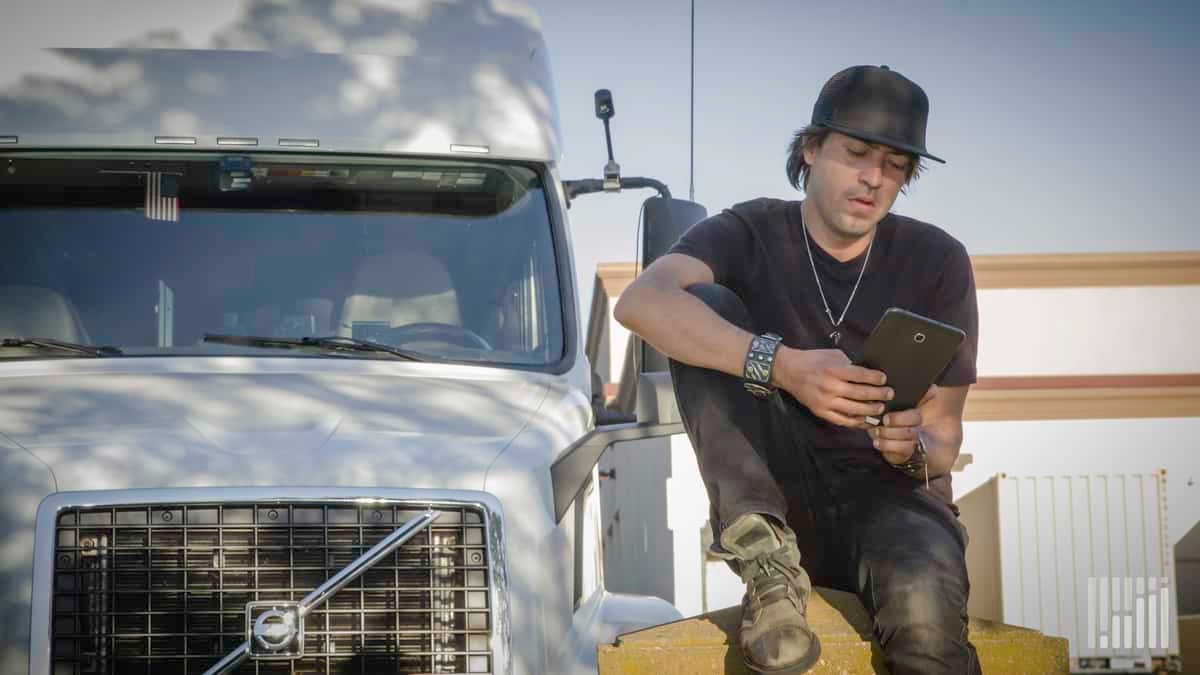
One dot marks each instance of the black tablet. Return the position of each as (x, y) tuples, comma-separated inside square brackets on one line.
[(912, 350)]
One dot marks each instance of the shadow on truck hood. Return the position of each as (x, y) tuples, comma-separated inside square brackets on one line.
[(396, 425)]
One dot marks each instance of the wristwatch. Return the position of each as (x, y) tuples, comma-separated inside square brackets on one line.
[(760, 363)]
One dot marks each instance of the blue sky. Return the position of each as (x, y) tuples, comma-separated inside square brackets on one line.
[(1068, 126)]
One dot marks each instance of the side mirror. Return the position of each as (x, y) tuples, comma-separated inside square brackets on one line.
[(664, 221), (656, 399)]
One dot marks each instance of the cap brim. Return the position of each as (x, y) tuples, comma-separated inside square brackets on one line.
[(883, 140)]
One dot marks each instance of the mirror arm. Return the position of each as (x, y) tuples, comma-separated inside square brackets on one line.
[(639, 182), (586, 186), (612, 181)]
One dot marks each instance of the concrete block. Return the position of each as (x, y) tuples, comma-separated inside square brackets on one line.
[(1189, 643), (708, 644)]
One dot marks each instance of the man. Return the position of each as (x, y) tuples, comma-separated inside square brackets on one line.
[(759, 308)]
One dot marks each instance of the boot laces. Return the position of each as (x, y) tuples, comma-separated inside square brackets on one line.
[(771, 572)]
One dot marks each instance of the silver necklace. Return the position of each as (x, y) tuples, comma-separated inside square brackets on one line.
[(836, 335)]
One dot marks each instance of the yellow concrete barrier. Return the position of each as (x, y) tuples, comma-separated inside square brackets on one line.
[(1189, 642), (708, 644)]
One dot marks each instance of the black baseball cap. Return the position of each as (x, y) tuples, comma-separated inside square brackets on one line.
[(878, 105)]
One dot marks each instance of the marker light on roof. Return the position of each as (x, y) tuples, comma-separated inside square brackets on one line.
[(475, 149), (299, 143), (8, 140), (237, 141), (175, 140)]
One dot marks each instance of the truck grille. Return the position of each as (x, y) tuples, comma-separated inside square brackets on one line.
[(163, 588)]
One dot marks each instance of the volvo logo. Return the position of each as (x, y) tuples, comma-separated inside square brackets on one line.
[(275, 630)]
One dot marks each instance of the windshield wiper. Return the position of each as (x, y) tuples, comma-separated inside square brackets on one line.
[(58, 345), (334, 343)]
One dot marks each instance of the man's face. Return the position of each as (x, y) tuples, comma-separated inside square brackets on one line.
[(854, 183)]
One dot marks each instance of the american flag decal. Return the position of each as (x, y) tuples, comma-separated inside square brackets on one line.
[(162, 196)]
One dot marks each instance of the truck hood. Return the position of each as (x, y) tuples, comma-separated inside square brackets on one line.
[(367, 424)]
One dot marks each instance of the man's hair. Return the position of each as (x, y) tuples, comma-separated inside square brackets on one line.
[(816, 135)]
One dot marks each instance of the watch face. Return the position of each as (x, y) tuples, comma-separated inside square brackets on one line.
[(915, 463)]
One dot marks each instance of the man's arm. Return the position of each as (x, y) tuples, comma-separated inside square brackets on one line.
[(657, 307), (938, 418), (943, 428)]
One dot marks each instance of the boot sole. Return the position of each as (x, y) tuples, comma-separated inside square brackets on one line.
[(802, 666)]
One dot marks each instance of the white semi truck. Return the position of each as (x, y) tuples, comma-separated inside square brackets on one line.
[(291, 374)]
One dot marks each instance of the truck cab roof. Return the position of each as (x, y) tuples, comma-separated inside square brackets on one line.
[(427, 78)]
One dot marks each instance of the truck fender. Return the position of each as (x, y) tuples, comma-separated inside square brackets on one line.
[(600, 619), (26, 481)]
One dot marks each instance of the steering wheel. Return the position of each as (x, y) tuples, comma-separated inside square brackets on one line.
[(442, 332)]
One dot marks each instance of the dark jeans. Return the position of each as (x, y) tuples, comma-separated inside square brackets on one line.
[(896, 545)]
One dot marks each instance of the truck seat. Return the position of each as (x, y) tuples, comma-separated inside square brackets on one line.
[(400, 288), (31, 311)]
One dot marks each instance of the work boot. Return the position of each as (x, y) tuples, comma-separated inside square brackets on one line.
[(774, 636)]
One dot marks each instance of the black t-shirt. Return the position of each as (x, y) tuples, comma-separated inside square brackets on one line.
[(757, 250)]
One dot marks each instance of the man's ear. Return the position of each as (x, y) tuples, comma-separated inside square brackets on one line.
[(811, 150)]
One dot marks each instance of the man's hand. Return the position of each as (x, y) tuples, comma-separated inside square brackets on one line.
[(826, 382), (896, 438)]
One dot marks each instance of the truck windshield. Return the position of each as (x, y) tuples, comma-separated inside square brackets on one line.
[(453, 260)]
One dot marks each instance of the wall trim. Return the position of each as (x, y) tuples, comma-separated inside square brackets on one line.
[(1080, 270), (1057, 270), (1083, 397), (615, 277)]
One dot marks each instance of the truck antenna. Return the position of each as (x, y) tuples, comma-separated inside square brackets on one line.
[(692, 116)]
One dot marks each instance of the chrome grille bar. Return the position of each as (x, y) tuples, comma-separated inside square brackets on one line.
[(336, 583)]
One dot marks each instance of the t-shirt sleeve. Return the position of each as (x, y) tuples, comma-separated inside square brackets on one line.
[(954, 303), (724, 243)]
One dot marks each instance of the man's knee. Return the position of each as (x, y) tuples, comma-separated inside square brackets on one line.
[(923, 606), (922, 625), (724, 302)]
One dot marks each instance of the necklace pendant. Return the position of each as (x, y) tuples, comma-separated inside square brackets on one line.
[(835, 337)]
